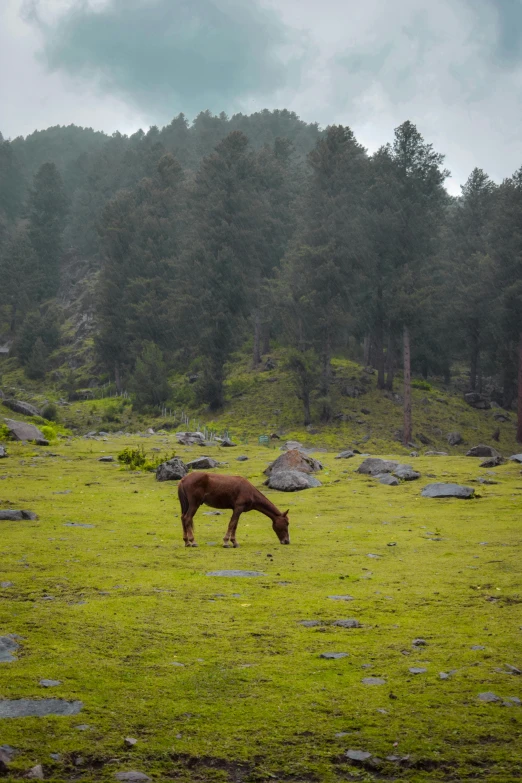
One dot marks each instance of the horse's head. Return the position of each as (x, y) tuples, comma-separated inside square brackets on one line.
[(280, 526)]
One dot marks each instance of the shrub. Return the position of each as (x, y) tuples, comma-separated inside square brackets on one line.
[(111, 412), (137, 459), (50, 412), (49, 432), (418, 384), (4, 432)]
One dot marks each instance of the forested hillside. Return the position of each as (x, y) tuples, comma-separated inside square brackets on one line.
[(137, 260)]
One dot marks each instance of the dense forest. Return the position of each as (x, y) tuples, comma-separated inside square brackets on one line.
[(177, 247)]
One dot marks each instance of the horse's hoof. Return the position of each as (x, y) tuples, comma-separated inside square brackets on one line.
[(226, 545), (235, 545)]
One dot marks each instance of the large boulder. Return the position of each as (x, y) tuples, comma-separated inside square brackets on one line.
[(294, 460), (454, 438), (291, 481), (483, 451), (388, 479), (22, 407), (202, 463), (173, 470), (10, 515), (406, 473), (516, 458), (477, 400), (21, 430), (447, 491), (492, 462), (228, 443), (190, 438), (373, 466), (346, 454)]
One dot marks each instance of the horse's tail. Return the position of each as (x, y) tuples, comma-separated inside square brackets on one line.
[(182, 495)]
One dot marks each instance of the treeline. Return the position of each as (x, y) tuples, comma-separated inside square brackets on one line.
[(261, 228)]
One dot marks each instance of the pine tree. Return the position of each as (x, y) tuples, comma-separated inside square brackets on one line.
[(150, 380), (37, 364), (47, 210)]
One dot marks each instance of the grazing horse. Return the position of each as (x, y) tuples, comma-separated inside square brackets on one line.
[(232, 492)]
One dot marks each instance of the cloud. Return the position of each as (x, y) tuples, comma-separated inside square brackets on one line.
[(167, 56)]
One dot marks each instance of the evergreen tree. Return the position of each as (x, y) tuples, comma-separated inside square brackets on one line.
[(47, 210), (149, 382), (37, 364)]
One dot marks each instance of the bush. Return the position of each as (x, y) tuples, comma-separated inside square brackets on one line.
[(4, 432), (418, 384), (137, 459), (111, 412), (50, 412)]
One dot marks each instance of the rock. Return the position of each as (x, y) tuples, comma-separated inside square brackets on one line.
[(130, 742), (444, 676), (373, 466), (235, 573), (510, 669), (20, 430), (345, 454), (5, 585), (310, 623), (482, 451), (406, 473), (489, 697), (36, 773), (348, 623), (173, 470), (486, 481), (423, 439), (11, 515), (447, 491), (190, 438), (516, 458), (454, 438), (477, 400), (106, 459), (373, 681), (341, 598), (477, 647), (49, 683), (38, 708), (290, 445), (242, 458), (419, 642), (291, 481), (294, 460), (357, 755), (436, 454), (3, 452), (8, 645), (333, 656), (227, 443), (132, 777), (387, 478), (417, 670), (202, 463), (492, 462), (77, 524), (22, 407)]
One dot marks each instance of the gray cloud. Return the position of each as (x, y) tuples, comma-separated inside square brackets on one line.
[(167, 56)]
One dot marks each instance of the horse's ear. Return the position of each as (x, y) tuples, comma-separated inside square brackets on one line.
[(286, 512)]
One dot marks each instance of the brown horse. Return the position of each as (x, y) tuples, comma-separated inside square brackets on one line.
[(232, 492)]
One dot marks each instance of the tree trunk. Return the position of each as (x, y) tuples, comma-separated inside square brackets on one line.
[(380, 343), (519, 416), (390, 363), (256, 358), (473, 368), (306, 408), (407, 431), (326, 377), (366, 350), (266, 339)]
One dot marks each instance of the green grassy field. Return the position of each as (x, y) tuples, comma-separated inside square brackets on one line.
[(215, 677)]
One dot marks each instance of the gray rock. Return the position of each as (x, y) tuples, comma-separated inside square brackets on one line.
[(341, 597), (8, 645), (477, 400), (242, 458), (38, 708), (20, 430), (291, 481), (291, 444), (419, 643), (388, 479), (82, 727), (55, 756), (373, 466), (310, 623), (77, 524), (22, 407), (106, 459), (477, 647), (417, 670), (516, 458), (373, 681), (3, 452), (5, 585), (489, 697), (345, 454), (130, 742), (512, 669), (8, 753), (50, 683), (444, 676), (227, 443), (11, 515), (447, 491), (406, 473), (333, 656), (173, 470), (294, 460), (190, 438), (202, 463), (492, 462), (436, 454), (351, 623), (454, 438), (36, 773), (235, 573), (357, 755), (132, 776), (482, 451)]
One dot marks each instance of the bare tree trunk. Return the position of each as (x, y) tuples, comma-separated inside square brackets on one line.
[(407, 431), (256, 358), (390, 363), (519, 416), (366, 350)]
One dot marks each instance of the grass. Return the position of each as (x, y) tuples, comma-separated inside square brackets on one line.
[(253, 701)]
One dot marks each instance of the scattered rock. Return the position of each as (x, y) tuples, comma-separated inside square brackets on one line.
[(373, 681), (172, 470), (77, 524), (489, 697), (358, 755), (373, 466), (345, 454), (406, 473), (454, 438), (444, 676), (477, 647), (477, 400), (242, 458), (341, 597), (3, 452), (38, 708), (132, 776), (291, 481), (351, 623), (516, 458), (226, 442), (235, 573), (202, 463), (447, 491), (15, 516), (49, 683), (512, 669), (333, 656), (20, 430), (8, 645), (486, 481), (82, 727), (106, 459), (417, 670), (419, 643), (22, 407), (5, 585), (310, 623), (36, 773), (436, 454), (483, 451), (294, 460), (130, 742), (388, 479)]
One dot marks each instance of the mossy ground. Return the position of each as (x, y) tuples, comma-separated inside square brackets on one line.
[(253, 701)]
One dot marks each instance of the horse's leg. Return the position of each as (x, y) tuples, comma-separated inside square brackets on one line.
[(187, 520), (232, 527)]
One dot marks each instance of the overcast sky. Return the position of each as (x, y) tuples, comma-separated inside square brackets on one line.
[(453, 67)]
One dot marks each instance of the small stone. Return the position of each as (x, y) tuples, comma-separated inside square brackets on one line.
[(341, 597), (373, 681), (132, 776), (130, 742), (489, 697), (5, 585), (8, 645), (388, 480), (444, 676), (177, 663), (82, 727), (351, 623), (357, 755), (242, 458), (55, 756), (36, 773), (478, 647), (515, 700), (333, 656), (382, 711), (392, 543), (235, 573), (50, 683), (419, 642), (512, 669), (417, 670), (341, 734), (309, 623), (106, 459)]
